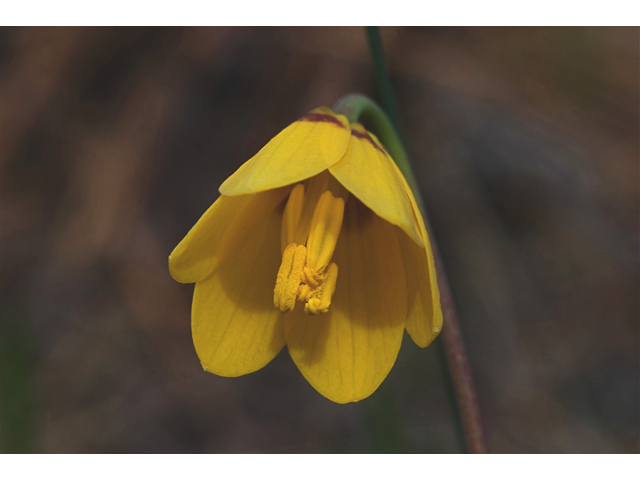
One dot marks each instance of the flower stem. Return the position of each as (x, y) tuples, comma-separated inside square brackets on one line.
[(385, 90), (357, 107), (360, 108)]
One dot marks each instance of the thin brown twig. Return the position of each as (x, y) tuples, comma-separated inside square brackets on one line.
[(458, 362), (452, 340)]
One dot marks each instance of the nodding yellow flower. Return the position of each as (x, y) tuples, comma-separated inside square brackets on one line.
[(317, 243)]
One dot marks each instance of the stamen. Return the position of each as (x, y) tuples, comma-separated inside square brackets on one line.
[(312, 217), (311, 278), (291, 216), (321, 299), (316, 186), (289, 276), (295, 278), (283, 274), (325, 229)]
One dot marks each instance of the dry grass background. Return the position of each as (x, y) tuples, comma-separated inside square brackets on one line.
[(113, 142)]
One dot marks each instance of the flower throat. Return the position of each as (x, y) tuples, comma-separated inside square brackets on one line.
[(310, 228)]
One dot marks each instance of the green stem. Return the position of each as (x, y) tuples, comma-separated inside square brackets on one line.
[(360, 108), (385, 90)]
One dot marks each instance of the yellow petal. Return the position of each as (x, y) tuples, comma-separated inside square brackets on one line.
[(303, 149), (347, 352), (367, 171), (220, 234), (424, 318), (236, 330)]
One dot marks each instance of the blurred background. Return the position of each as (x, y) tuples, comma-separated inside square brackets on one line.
[(113, 142)]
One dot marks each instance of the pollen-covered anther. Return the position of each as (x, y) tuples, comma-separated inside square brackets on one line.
[(289, 276), (320, 299), (305, 273)]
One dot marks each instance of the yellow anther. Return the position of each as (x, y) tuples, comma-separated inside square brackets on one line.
[(299, 261), (314, 218), (283, 274), (289, 277), (305, 292), (321, 299)]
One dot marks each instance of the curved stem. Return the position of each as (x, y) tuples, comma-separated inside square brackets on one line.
[(359, 108)]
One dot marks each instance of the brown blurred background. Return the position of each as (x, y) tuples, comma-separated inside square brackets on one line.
[(113, 141)]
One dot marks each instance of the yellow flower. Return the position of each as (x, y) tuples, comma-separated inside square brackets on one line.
[(317, 243)]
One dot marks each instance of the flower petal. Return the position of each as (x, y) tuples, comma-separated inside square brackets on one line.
[(303, 149), (346, 353), (424, 316), (236, 330), (220, 233), (367, 171)]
